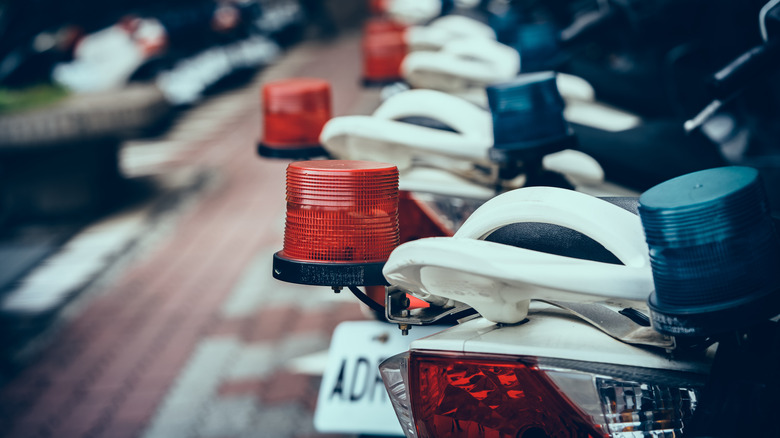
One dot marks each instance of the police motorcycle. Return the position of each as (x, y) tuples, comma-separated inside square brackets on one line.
[(455, 179), (700, 335), (653, 356), (665, 327), (349, 400), (324, 249), (351, 397)]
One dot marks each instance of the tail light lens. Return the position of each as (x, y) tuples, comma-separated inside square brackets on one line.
[(294, 112), (456, 395), (384, 49)]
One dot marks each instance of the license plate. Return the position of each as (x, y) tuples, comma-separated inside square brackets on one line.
[(352, 398)]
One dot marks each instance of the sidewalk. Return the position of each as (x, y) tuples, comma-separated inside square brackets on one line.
[(178, 329)]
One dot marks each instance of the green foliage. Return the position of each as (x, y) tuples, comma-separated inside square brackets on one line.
[(14, 100)]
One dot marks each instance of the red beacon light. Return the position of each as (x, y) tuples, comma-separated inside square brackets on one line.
[(294, 112), (375, 26), (378, 7), (384, 49), (341, 225)]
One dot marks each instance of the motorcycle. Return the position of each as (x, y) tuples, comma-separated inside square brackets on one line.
[(556, 335), (540, 360), (528, 368)]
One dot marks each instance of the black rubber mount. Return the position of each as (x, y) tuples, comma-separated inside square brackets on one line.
[(521, 151), (713, 319), (328, 274), (296, 153), (372, 83)]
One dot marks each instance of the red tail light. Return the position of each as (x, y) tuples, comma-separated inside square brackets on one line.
[(462, 397), (384, 49), (457, 395), (342, 216), (294, 112)]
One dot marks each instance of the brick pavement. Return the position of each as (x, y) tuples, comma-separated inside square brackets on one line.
[(193, 338)]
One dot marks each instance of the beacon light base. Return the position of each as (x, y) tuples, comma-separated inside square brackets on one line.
[(328, 274), (293, 153), (522, 151), (714, 319)]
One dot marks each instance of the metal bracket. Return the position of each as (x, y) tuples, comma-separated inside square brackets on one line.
[(397, 311), (615, 324)]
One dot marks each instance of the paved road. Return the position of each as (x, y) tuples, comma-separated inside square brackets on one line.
[(178, 329)]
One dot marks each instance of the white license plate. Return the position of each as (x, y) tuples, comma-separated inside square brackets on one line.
[(352, 398)]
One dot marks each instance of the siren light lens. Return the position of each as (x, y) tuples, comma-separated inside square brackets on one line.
[(713, 248), (378, 7), (440, 395), (538, 46), (341, 211), (527, 109), (382, 25), (294, 112), (384, 49)]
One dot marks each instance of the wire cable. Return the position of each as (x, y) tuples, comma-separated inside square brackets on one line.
[(365, 299)]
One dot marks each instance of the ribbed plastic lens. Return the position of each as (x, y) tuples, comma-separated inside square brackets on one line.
[(538, 46), (341, 211), (384, 49), (381, 25), (713, 247), (455, 395), (526, 111), (294, 111), (710, 235), (378, 7)]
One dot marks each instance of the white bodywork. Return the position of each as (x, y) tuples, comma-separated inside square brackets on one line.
[(498, 280), (550, 332)]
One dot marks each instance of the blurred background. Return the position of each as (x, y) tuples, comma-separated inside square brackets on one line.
[(137, 222)]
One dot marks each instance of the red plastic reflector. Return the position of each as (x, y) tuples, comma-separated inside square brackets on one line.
[(462, 397), (341, 211), (294, 111), (384, 49)]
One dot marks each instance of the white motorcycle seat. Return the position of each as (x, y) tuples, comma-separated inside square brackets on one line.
[(413, 11), (463, 63), (443, 30), (382, 137), (499, 280), (441, 182)]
